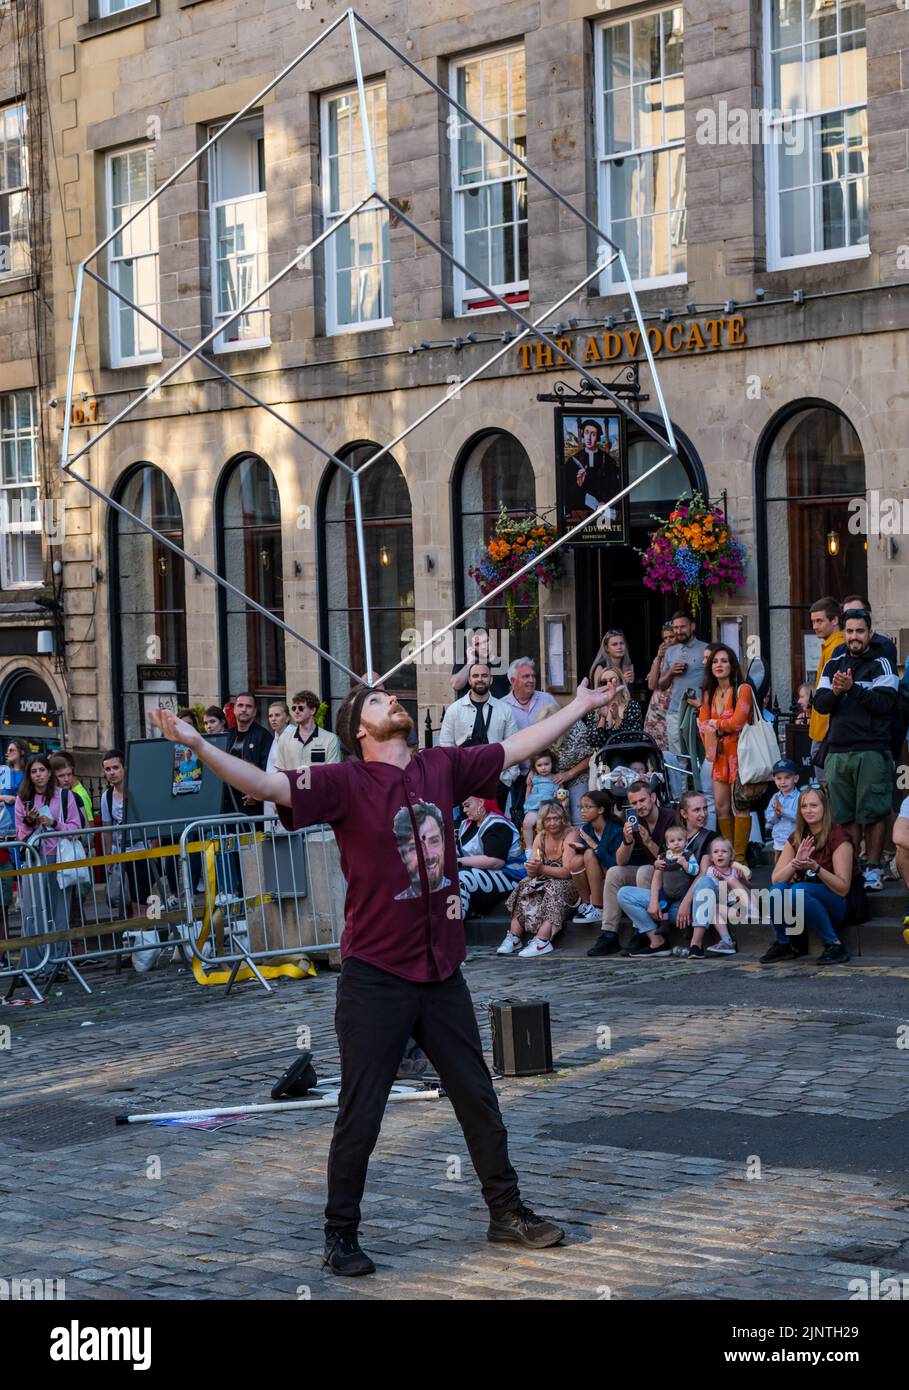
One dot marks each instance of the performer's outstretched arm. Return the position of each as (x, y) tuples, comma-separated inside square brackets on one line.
[(526, 742), (245, 777)]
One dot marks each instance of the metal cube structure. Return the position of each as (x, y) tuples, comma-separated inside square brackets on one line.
[(607, 253)]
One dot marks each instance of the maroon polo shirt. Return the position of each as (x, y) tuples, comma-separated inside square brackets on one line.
[(396, 838)]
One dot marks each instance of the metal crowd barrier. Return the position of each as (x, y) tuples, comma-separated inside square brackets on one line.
[(222, 893)]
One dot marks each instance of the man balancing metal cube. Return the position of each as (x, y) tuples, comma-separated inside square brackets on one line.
[(403, 940)]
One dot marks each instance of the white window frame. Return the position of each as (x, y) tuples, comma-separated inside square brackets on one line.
[(606, 284), (10, 527), (109, 7), (775, 127), (332, 326), (22, 188), (463, 298), (117, 358), (262, 307)]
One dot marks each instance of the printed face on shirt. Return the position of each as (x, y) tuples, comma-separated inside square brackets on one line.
[(431, 846)]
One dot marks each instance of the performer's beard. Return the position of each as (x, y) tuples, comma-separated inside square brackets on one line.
[(398, 724)]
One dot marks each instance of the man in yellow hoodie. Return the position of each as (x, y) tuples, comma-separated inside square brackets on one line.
[(825, 621)]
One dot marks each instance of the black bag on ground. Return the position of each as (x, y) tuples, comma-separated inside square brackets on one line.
[(299, 1078)]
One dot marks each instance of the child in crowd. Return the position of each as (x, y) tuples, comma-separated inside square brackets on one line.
[(803, 701), (601, 834), (729, 882), (540, 788), (673, 873), (783, 809)]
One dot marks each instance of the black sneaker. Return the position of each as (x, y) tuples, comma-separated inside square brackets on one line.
[(648, 952), (780, 950), (798, 945), (835, 954), (606, 944), (696, 953), (521, 1226), (344, 1256)]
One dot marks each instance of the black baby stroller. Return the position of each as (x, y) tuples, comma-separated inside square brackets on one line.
[(613, 771)]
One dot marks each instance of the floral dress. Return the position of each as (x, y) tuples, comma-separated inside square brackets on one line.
[(583, 738), (655, 723), (533, 905)]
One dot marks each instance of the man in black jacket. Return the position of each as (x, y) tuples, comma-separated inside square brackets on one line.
[(858, 689), (251, 742)]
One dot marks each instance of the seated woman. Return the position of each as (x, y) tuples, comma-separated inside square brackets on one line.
[(542, 902), (490, 860), (817, 883), (600, 835), (649, 935)]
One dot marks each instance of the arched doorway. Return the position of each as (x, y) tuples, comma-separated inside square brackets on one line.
[(147, 602), (389, 575), (248, 511), (493, 471), (609, 586), (808, 467)]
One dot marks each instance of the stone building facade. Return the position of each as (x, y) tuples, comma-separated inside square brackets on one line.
[(776, 295)]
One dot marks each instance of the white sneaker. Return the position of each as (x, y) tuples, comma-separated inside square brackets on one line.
[(581, 916), (594, 914), (510, 946), (537, 948)]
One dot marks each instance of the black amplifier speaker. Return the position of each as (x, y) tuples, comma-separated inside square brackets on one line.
[(521, 1040)]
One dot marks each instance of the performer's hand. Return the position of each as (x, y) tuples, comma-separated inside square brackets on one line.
[(599, 696), (174, 729)]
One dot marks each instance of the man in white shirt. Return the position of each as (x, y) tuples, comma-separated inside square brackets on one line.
[(527, 705), (479, 718), (278, 721), (305, 742)]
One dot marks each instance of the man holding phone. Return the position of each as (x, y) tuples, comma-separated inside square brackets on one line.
[(644, 830), (304, 742)]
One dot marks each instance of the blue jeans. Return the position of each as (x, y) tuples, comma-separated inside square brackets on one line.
[(633, 901), (822, 910)]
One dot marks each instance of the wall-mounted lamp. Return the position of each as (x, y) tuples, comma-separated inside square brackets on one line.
[(833, 542), (162, 564), (99, 575), (45, 642), (384, 556), (890, 547), (430, 564), (197, 572), (265, 558), (298, 568)]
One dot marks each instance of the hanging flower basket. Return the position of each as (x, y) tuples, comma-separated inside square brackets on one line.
[(516, 540), (695, 553)]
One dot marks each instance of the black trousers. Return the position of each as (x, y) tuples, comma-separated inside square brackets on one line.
[(375, 1014)]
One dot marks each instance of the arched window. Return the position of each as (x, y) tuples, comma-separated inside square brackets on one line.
[(389, 573), (493, 471), (147, 602), (809, 466), (249, 556)]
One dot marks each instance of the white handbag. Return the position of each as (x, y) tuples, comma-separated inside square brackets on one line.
[(68, 850), (758, 749)]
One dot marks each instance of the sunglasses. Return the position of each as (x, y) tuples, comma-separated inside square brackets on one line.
[(301, 706), (814, 787)]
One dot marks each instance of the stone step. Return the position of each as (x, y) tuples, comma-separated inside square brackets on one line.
[(881, 936)]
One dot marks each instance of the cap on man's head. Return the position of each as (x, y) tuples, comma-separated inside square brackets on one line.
[(786, 765), (348, 721)]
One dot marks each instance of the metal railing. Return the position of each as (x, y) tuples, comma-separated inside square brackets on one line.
[(229, 895)]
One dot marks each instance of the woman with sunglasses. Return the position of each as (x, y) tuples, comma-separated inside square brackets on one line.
[(817, 883)]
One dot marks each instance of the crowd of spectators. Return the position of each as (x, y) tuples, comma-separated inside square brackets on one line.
[(570, 838)]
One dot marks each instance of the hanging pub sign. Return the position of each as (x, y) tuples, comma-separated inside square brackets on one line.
[(591, 468)]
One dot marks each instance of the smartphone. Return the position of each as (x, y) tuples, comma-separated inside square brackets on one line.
[(631, 818), (317, 755)]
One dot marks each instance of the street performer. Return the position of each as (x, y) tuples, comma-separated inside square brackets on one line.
[(403, 940)]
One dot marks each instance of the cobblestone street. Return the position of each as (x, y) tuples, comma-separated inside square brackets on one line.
[(740, 1135)]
